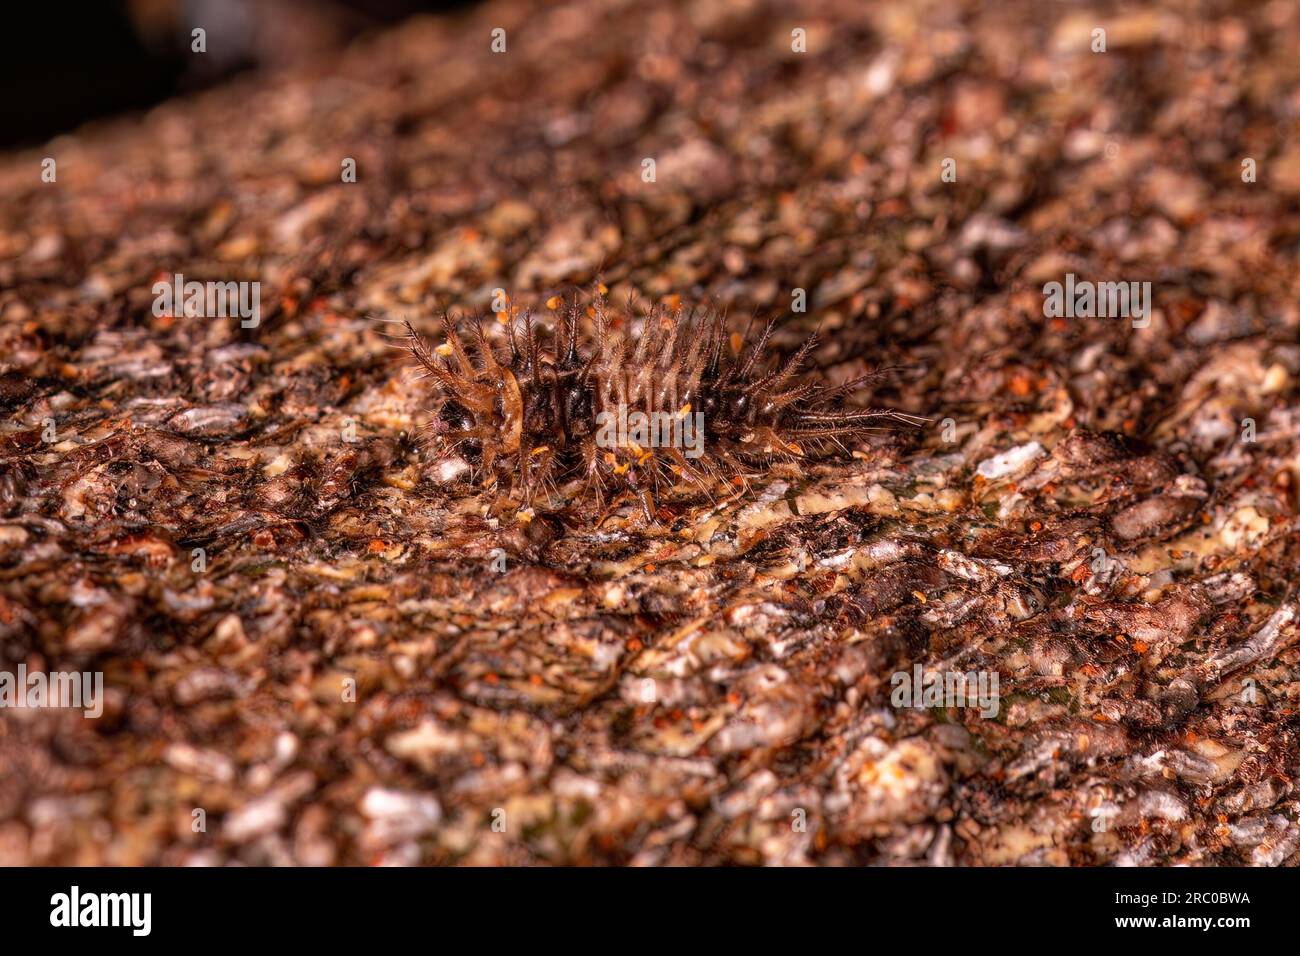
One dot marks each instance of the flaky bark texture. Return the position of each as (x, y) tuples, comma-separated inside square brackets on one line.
[(314, 632)]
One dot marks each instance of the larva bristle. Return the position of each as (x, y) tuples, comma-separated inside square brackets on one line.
[(571, 413)]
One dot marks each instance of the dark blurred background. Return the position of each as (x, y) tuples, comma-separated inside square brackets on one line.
[(64, 64)]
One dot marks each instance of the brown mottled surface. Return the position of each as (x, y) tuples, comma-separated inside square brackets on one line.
[(769, 626)]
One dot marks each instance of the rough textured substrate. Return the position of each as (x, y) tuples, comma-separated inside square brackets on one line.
[(769, 626)]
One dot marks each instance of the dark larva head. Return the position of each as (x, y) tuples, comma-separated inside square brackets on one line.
[(622, 404)]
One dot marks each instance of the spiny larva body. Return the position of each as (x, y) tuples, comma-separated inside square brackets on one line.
[(673, 405)]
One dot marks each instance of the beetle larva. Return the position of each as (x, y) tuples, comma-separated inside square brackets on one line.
[(672, 405)]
